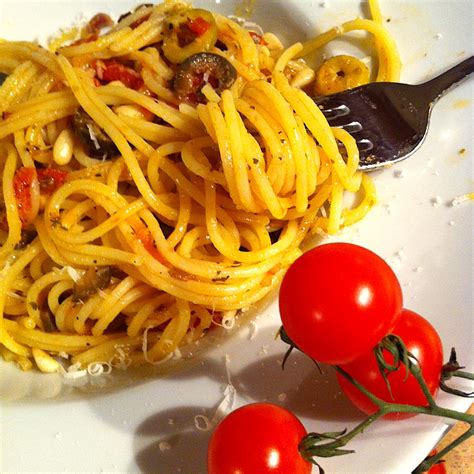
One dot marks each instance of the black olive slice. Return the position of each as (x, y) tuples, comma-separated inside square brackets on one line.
[(96, 142), (200, 69)]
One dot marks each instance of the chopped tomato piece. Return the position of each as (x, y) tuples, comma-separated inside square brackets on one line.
[(22, 183), (257, 39), (198, 25), (111, 70), (51, 179)]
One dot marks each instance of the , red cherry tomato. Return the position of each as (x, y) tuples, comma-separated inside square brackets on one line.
[(438, 468), (259, 438), (338, 301), (422, 340)]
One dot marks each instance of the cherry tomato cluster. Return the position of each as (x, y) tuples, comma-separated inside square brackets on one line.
[(337, 302)]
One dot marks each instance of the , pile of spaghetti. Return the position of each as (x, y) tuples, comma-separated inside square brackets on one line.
[(159, 174)]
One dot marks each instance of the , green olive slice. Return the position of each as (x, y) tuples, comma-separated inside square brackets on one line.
[(188, 33)]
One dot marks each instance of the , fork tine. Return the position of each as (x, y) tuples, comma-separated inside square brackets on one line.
[(352, 127), (334, 112), (365, 145), (389, 120)]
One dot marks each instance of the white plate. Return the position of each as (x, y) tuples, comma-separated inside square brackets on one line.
[(49, 426)]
